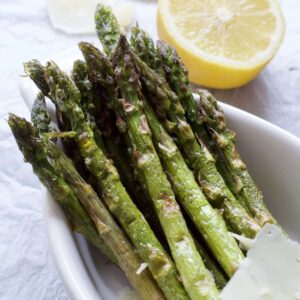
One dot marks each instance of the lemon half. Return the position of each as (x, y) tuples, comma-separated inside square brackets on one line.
[(223, 43)]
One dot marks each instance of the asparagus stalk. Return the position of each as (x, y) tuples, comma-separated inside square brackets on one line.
[(144, 47), (107, 28), (36, 72), (40, 116), (225, 139), (232, 168), (199, 159), (57, 172), (115, 148), (208, 221), (114, 194), (80, 77), (82, 82), (210, 264), (61, 192), (100, 73), (196, 279), (189, 194)]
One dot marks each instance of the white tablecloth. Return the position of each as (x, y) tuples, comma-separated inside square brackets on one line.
[(27, 270)]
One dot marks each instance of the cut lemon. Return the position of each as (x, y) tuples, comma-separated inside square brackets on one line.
[(223, 43)]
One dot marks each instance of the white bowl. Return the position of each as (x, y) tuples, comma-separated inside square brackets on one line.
[(272, 156)]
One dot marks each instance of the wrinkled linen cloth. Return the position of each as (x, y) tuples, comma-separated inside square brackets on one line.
[(27, 269)]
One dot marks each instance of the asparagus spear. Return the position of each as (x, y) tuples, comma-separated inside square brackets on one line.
[(196, 154), (144, 47), (82, 82), (115, 148), (65, 197), (168, 107), (242, 183), (239, 181), (80, 77), (36, 71), (107, 28), (61, 192), (114, 194), (40, 116), (57, 172), (208, 221), (196, 279), (99, 66), (100, 73)]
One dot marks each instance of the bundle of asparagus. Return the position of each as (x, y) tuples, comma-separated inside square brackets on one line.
[(146, 172)]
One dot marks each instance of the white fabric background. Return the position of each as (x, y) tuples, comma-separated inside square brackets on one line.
[(27, 270)]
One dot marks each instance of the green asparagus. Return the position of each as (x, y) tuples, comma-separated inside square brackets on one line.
[(206, 219), (107, 28), (36, 71), (67, 96), (40, 116), (238, 178), (196, 279), (171, 112), (115, 147), (82, 82), (65, 197), (57, 172), (144, 47)]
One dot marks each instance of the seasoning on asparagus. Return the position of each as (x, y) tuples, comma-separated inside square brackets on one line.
[(82, 82), (92, 81), (144, 47), (67, 96), (39, 114), (207, 220), (232, 168), (36, 72), (199, 159), (190, 195), (57, 172), (242, 183), (50, 177), (107, 28), (168, 107), (195, 277)]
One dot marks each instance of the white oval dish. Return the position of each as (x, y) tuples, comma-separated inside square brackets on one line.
[(272, 156)]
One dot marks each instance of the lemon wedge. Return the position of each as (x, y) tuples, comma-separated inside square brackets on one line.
[(223, 43)]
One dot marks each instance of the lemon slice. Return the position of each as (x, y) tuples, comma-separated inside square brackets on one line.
[(224, 43)]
